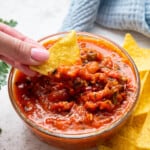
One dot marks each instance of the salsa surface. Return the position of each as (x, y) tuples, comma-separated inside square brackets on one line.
[(91, 94)]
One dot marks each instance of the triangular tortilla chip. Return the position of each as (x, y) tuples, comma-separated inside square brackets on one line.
[(144, 99), (143, 140), (64, 52), (140, 56)]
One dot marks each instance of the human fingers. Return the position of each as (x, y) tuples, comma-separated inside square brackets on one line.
[(21, 51), (12, 32), (23, 68)]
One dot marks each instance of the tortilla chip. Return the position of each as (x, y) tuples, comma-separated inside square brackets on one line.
[(103, 147), (122, 143), (143, 140), (126, 138), (140, 56), (132, 128), (129, 42), (144, 99), (118, 143), (143, 79), (64, 52)]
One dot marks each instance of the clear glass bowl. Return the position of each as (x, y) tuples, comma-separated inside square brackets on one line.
[(78, 141)]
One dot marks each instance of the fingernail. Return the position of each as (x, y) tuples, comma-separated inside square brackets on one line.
[(39, 54)]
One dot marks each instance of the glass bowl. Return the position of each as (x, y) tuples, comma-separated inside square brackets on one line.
[(86, 139)]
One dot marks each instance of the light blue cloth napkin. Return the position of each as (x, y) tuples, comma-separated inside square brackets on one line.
[(117, 14)]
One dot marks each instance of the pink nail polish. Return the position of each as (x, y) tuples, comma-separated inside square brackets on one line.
[(39, 54)]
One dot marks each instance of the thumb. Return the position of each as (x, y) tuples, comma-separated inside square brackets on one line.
[(22, 51)]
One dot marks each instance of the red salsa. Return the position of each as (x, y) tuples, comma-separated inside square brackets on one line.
[(80, 98)]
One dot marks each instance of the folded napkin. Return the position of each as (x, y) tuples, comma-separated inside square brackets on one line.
[(117, 14)]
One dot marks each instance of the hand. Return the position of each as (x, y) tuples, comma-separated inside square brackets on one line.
[(19, 51)]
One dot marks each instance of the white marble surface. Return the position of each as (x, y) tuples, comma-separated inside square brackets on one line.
[(36, 19)]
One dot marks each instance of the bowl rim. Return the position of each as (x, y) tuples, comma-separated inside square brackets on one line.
[(82, 135)]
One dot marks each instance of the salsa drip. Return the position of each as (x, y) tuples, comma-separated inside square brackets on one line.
[(88, 95)]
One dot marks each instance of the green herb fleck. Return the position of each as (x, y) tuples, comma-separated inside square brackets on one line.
[(0, 130), (4, 69), (11, 22)]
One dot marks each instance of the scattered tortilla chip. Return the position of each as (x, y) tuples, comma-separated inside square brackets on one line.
[(118, 143), (64, 52), (122, 143), (129, 42), (143, 78), (140, 56), (143, 140), (144, 99), (132, 128), (137, 122), (126, 138), (103, 147)]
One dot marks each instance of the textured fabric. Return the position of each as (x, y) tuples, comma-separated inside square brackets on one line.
[(81, 15), (117, 14)]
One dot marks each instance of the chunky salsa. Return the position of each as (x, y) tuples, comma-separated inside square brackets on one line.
[(91, 94)]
